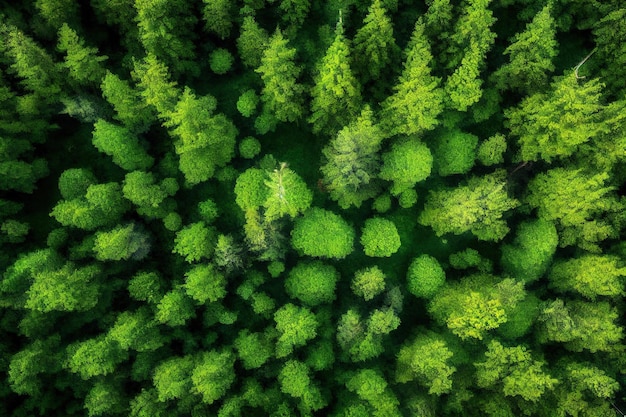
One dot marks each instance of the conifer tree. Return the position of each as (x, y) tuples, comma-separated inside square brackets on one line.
[(374, 44), (336, 95), (352, 162), (281, 94), (82, 62), (251, 43), (218, 17), (287, 194), (127, 102), (530, 55), (417, 100)]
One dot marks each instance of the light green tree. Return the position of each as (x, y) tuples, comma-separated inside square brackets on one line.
[(121, 145), (368, 283), (589, 275), (136, 330), (287, 194), (313, 283), (408, 162), (455, 152), (530, 55), (477, 207), (254, 348), (122, 243), (213, 375), (172, 378), (426, 360), (94, 357), (218, 17), (175, 308), (296, 326), (282, 95), (425, 276), (322, 233), (295, 380), (417, 99), (205, 283), (370, 386), (195, 242), (153, 79), (130, 108), (380, 237), (82, 62)]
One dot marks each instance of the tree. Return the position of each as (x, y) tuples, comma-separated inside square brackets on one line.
[(589, 275), (146, 286), (417, 100), (104, 397), (25, 368), (74, 182), (295, 381), (368, 283), (477, 207), (370, 386), (254, 349), (313, 283), (172, 377), (408, 162), (491, 151), (515, 370), (121, 145), (553, 125), (130, 109), (296, 325), (609, 36), (425, 276), (153, 79), (281, 93), (426, 360), (380, 237), (94, 357), (530, 55), (580, 204), (122, 243), (206, 141), (336, 95), (142, 190), (195, 242), (175, 308), (322, 233), (287, 194), (221, 61), (82, 62), (251, 42), (530, 254), (351, 162), (159, 23), (374, 44), (218, 17), (455, 152), (213, 375), (476, 305), (205, 283), (136, 330), (250, 189)]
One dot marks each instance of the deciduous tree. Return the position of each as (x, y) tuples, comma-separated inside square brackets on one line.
[(322, 233), (312, 283)]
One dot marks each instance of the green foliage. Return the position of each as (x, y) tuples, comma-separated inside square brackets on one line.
[(249, 147), (247, 103), (251, 42), (26, 366), (121, 145), (426, 360), (371, 386), (254, 349), (82, 62), (312, 283), (579, 203), (352, 161), (250, 189), (589, 275), (295, 381), (477, 207), (336, 95), (470, 258), (417, 100), (374, 45), (172, 378), (368, 283), (104, 397), (425, 276), (553, 125), (287, 194), (175, 308), (73, 183), (122, 243), (296, 326), (322, 233), (281, 93), (455, 152), (530, 55), (153, 79), (530, 254), (218, 17), (221, 61), (476, 304), (204, 283), (294, 11), (514, 369), (136, 330), (195, 242), (127, 102), (408, 162), (380, 237), (213, 375), (94, 357), (491, 151)]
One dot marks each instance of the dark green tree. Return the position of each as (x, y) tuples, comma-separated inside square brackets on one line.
[(251, 42), (218, 17)]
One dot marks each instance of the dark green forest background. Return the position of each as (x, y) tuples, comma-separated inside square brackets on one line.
[(298, 208)]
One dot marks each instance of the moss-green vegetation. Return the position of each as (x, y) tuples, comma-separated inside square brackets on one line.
[(312, 208)]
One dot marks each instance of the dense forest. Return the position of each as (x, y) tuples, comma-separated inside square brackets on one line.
[(312, 208)]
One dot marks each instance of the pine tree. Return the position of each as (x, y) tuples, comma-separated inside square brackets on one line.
[(336, 95), (281, 94), (82, 62)]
